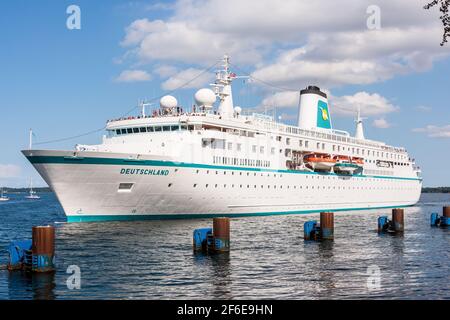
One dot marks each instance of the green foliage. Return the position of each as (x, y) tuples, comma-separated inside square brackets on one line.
[(436, 190), (445, 18)]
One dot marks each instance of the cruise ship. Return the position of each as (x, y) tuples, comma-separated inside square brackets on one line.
[(216, 159)]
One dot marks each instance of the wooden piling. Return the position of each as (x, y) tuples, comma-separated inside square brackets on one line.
[(43, 248), (446, 211), (327, 225), (398, 220), (221, 234)]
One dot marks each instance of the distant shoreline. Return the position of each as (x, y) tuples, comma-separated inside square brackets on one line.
[(47, 189), (436, 190), (26, 189)]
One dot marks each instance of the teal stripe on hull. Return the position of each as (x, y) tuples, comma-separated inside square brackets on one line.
[(135, 217), (159, 163)]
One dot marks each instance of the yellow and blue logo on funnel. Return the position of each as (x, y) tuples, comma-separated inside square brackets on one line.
[(323, 115)]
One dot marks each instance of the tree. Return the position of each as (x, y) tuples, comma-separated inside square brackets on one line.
[(444, 17)]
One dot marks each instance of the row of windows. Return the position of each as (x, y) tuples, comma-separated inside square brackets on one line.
[(309, 177), (220, 144), (241, 162), (248, 186), (153, 129)]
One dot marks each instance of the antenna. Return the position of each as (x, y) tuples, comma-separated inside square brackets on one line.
[(359, 125), (30, 139), (144, 104)]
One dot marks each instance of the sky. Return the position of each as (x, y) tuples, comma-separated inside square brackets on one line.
[(381, 56)]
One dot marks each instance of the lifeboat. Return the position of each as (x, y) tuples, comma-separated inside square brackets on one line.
[(358, 161), (319, 161), (344, 164)]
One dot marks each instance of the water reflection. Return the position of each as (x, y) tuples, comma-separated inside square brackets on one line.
[(26, 285), (217, 266), (327, 274)]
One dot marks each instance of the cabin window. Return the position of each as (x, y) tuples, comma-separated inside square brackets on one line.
[(135, 130), (307, 143), (191, 127), (272, 150), (143, 129), (288, 141), (129, 130), (118, 132), (239, 147), (150, 129), (175, 128), (183, 127), (157, 129), (300, 143), (261, 149), (124, 131), (254, 148), (166, 128), (230, 145)]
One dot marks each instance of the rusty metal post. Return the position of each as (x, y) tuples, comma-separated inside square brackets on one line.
[(446, 211), (43, 249), (327, 225), (398, 220), (221, 233), (445, 220)]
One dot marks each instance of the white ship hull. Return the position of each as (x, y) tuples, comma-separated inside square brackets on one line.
[(87, 186)]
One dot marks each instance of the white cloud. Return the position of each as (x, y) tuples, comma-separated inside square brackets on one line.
[(188, 78), (165, 71), (346, 106), (333, 48), (139, 29), (284, 99), (381, 123), (433, 131), (133, 76), (9, 171), (370, 104)]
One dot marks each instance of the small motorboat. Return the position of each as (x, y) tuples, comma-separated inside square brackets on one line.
[(3, 197), (319, 161)]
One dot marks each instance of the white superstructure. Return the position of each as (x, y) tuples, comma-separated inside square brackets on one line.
[(176, 163)]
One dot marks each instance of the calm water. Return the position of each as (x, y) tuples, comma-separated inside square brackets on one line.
[(269, 259)]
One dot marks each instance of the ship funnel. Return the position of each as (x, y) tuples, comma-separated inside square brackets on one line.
[(313, 109)]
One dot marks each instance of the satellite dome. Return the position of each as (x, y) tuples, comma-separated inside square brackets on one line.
[(205, 97), (238, 110), (168, 102)]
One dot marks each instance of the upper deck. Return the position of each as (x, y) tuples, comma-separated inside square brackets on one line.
[(245, 125)]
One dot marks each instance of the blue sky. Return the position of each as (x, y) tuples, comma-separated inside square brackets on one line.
[(63, 82)]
